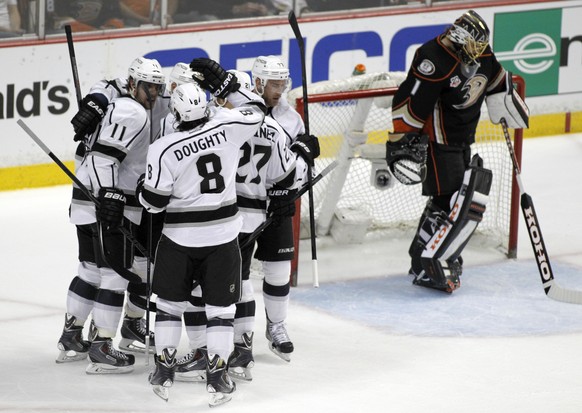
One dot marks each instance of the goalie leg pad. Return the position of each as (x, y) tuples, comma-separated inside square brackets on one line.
[(449, 240)]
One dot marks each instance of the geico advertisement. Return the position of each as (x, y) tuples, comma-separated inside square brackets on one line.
[(540, 43)]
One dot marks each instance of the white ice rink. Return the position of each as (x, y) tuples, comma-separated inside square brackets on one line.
[(366, 340)]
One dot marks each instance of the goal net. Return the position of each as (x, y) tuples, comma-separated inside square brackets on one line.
[(352, 117)]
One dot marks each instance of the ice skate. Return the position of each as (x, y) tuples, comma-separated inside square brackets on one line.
[(241, 360), (192, 367), (218, 382), (279, 342), (452, 281), (105, 359), (162, 377), (133, 334), (71, 344)]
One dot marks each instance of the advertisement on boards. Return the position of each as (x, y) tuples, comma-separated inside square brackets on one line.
[(542, 44)]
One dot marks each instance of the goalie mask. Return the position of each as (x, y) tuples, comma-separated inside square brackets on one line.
[(470, 36), (269, 68), (147, 71), (188, 103), (181, 73)]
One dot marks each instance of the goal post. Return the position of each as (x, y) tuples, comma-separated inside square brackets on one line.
[(352, 118)]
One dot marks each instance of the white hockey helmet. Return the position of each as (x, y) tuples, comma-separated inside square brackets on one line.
[(188, 103), (269, 68), (146, 70), (243, 79), (181, 73)]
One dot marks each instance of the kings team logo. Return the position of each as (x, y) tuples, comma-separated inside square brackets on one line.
[(542, 46)]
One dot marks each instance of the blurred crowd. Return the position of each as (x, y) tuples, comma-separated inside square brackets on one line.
[(21, 16)]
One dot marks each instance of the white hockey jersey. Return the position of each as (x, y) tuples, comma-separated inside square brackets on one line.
[(265, 161), (116, 158), (112, 89), (192, 176), (289, 120)]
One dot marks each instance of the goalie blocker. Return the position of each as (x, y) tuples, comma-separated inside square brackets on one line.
[(452, 233), (509, 105)]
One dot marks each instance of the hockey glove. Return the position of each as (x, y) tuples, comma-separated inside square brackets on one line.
[(90, 113), (212, 77), (306, 146), (406, 158), (111, 206), (139, 186), (281, 204)]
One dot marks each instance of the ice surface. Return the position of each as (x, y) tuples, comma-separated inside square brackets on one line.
[(366, 340)]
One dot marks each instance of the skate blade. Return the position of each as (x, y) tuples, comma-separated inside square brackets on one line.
[(241, 373), (218, 398), (191, 376), (135, 346), (162, 391), (283, 356), (69, 356), (99, 368)]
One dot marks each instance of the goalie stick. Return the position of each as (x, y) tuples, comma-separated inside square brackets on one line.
[(301, 44), (128, 275), (299, 193), (551, 287)]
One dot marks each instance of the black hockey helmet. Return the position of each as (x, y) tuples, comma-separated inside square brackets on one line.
[(470, 35)]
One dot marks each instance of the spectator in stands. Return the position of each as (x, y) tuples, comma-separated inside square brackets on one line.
[(10, 22), (83, 15), (138, 12)]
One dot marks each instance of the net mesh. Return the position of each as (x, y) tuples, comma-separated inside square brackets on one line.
[(354, 130)]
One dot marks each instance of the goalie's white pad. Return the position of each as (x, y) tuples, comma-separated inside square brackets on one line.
[(509, 105), (447, 241)]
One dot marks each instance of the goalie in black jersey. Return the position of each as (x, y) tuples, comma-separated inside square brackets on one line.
[(435, 113)]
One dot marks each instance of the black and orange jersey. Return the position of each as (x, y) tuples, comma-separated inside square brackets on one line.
[(438, 99)]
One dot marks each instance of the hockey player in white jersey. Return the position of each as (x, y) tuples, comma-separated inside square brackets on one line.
[(267, 170), (113, 162), (180, 74), (91, 112), (275, 247), (191, 174)]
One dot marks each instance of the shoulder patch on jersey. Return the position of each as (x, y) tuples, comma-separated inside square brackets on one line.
[(455, 81), (426, 67)]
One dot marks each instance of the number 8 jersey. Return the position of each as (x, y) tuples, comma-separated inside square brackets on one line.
[(192, 174)]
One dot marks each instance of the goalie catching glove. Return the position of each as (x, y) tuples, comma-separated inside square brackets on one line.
[(281, 204), (212, 77), (406, 158), (111, 206), (91, 111), (306, 146)]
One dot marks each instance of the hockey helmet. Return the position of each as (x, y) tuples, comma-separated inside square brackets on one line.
[(146, 70), (470, 35), (181, 73), (188, 103), (269, 68), (243, 79)]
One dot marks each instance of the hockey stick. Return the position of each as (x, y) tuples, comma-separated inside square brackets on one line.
[(130, 276), (69, 34), (298, 195), (551, 288), (301, 44)]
